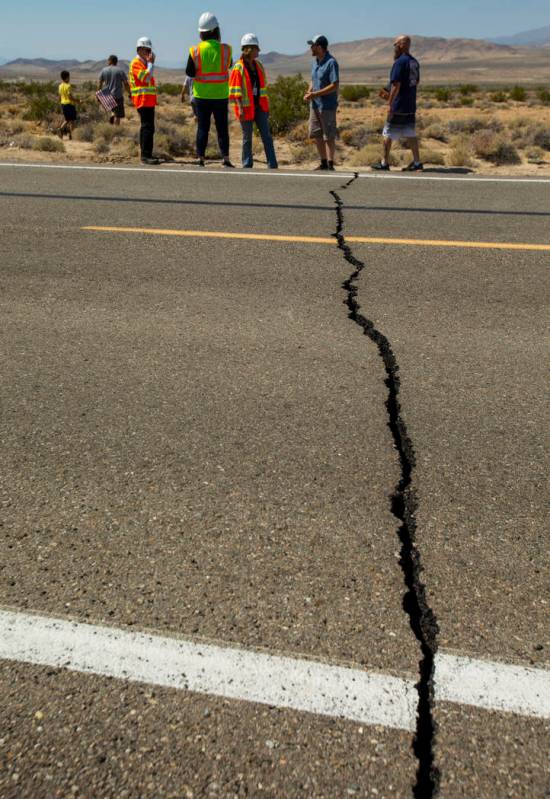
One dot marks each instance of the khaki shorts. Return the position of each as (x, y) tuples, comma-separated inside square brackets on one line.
[(323, 124)]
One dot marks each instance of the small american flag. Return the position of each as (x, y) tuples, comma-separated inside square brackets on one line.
[(107, 100)]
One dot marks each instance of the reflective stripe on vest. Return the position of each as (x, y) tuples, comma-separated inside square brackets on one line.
[(240, 88), (142, 86), (221, 76)]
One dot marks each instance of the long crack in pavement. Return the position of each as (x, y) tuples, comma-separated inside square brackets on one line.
[(404, 505)]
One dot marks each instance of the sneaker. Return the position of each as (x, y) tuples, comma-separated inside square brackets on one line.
[(381, 167), (227, 164), (199, 162), (150, 161), (413, 167)]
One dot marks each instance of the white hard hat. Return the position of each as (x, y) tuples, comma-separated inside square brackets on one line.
[(144, 41), (250, 40), (208, 22)]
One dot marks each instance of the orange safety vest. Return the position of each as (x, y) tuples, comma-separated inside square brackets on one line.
[(212, 61), (240, 88), (142, 86)]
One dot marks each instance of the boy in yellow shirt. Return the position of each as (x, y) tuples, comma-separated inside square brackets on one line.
[(67, 105)]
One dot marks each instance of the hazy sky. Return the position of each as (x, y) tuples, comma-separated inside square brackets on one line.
[(90, 29)]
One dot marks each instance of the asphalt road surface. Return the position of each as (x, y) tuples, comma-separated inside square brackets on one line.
[(273, 485)]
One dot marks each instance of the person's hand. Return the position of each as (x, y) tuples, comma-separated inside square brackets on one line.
[(308, 96), (384, 94), (151, 57)]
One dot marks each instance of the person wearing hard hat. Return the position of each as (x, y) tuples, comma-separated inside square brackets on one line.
[(323, 98), (144, 96), (248, 93), (209, 64)]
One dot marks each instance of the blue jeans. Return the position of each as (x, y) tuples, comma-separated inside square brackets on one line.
[(261, 118)]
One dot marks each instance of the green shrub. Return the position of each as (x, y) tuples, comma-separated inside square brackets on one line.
[(467, 88), (48, 145), (84, 133), (105, 131), (101, 146), (40, 107), (287, 106), (467, 101), (543, 95), (443, 95), (354, 135), (518, 94), (499, 97), (354, 92)]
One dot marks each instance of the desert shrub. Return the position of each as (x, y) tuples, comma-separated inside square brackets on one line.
[(535, 155), (299, 132), (499, 97), (543, 95), (518, 94), (354, 92), (466, 89), (14, 126), (460, 154), (171, 89), (48, 145), (443, 95), (101, 146), (436, 131), (370, 154), (105, 131), (287, 107), (84, 133), (495, 148), (300, 153), (467, 101), (354, 135), (40, 107), (36, 89), (466, 125), (542, 138), (25, 141), (432, 156)]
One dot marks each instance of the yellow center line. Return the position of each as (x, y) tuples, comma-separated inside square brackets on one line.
[(215, 234)]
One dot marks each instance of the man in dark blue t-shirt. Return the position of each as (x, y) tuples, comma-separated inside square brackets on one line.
[(401, 97)]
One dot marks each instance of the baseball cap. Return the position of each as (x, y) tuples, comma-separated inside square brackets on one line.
[(319, 39)]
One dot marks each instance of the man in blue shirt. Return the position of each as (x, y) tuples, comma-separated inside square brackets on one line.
[(323, 98), (401, 97)]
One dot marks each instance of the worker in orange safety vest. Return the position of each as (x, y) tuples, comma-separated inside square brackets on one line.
[(143, 91), (209, 64), (248, 93)]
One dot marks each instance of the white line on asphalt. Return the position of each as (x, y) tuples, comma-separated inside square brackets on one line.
[(304, 685), (297, 683), (494, 686), (249, 173)]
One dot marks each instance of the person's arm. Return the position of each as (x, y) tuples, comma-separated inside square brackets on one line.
[(190, 69), (332, 86), (394, 91)]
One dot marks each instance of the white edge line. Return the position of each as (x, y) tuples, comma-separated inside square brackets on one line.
[(360, 696), (275, 173), (492, 686), (183, 171)]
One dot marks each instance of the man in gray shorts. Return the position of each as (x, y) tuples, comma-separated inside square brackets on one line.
[(113, 80), (323, 98)]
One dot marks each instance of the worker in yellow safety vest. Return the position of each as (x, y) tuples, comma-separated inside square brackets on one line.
[(248, 93), (209, 64), (143, 92)]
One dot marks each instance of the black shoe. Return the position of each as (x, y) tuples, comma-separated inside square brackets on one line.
[(413, 167), (227, 164), (330, 166), (150, 161), (321, 168), (381, 167), (200, 162)]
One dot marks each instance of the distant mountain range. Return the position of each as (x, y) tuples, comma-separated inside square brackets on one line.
[(363, 60), (539, 37)]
